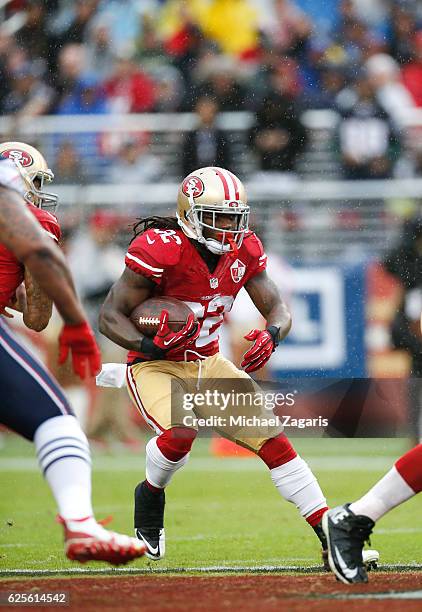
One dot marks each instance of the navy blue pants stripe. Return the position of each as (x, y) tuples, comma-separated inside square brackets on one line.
[(29, 395)]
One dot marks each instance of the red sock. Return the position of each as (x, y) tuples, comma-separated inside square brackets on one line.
[(314, 518), (409, 466), (276, 451), (176, 442), (152, 488)]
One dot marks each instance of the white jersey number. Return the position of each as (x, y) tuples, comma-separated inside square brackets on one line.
[(210, 325), (168, 235)]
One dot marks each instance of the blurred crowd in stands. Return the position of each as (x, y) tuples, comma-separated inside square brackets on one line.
[(275, 58)]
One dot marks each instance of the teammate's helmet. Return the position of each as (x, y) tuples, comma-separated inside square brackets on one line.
[(216, 191), (34, 171)]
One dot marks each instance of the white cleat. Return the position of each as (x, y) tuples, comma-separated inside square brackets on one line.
[(370, 558)]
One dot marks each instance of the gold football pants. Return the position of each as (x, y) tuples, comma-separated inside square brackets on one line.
[(159, 390)]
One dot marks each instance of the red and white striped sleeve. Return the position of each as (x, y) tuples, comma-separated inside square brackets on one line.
[(150, 256)]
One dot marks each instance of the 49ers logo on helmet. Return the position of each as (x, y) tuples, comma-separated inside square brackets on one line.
[(193, 186), (20, 156)]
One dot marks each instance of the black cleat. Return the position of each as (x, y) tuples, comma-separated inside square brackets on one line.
[(149, 520), (346, 534), (324, 553)]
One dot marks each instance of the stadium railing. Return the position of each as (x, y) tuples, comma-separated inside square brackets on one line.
[(317, 219), (307, 222)]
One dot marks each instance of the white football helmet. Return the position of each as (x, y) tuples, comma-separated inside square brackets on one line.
[(217, 191), (32, 167)]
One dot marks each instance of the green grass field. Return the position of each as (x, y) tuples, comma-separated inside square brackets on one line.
[(219, 511)]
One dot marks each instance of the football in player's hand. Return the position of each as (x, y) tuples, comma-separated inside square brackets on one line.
[(146, 316)]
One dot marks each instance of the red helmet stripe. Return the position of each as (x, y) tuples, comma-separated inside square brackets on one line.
[(225, 183), (236, 185)]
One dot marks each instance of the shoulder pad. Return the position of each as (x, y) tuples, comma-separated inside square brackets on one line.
[(253, 244), (153, 251)]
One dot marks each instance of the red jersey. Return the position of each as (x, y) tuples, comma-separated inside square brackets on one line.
[(11, 269), (170, 260), (412, 78)]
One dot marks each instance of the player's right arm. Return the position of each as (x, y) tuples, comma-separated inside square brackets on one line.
[(149, 258), (130, 290)]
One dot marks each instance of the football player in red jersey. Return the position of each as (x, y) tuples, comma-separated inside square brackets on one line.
[(35, 305), (203, 257), (32, 403)]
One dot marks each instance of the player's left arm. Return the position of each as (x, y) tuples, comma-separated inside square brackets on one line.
[(266, 297)]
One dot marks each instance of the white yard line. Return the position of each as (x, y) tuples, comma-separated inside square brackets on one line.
[(210, 569), (371, 596)]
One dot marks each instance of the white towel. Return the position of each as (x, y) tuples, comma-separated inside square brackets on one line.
[(112, 375)]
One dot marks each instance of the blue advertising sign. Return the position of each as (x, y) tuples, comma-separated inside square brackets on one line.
[(327, 336)]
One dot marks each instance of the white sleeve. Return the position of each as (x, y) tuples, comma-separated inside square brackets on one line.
[(10, 177)]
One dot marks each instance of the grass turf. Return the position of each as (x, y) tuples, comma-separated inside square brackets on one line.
[(219, 511)]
